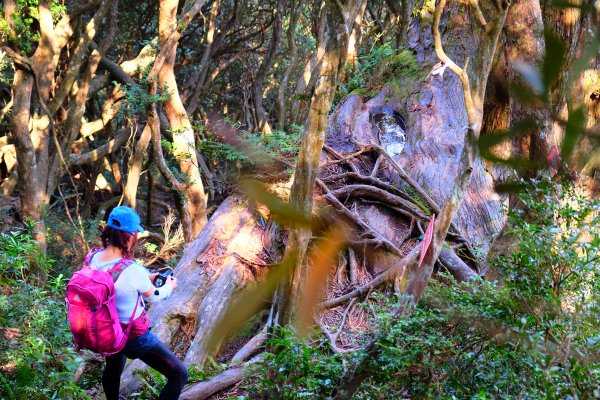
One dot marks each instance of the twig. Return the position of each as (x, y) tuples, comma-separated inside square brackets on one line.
[(252, 346), (339, 157), (461, 72), (410, 258), (6, 109), (376, 167), (430, 202), (70, 218), (340, 272), (353, 266), (383, 196), (330, 338), (372, 181), (344, 316), (479, 13)]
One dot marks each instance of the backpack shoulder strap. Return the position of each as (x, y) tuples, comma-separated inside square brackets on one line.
[(115, 272), (90, 255), (119, 267)]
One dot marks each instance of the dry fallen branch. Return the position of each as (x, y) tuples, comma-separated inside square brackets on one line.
[(390, 273), (251, 347), (217, 383)]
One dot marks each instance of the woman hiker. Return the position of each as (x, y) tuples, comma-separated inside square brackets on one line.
[(119, 237)]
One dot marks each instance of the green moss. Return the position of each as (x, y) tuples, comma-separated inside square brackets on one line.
[(417, 199), (365, 93), (402, 73), (386, 65)]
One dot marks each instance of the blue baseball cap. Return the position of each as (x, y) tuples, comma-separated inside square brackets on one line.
[(124, 219)]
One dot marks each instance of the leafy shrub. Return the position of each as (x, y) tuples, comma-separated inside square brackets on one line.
[(37, 360), (24, 20), (298, 369), (534, 335), (254, 147)]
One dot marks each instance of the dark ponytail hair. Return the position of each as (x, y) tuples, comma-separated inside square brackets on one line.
[(118, 239)]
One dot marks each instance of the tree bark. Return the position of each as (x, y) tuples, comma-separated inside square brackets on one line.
[(415, 279), (263, 70), (307, 166), (293, 49), (202, 70), (183, 134), (203, 390)]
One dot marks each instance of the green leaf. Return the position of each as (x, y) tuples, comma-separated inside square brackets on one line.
[(573, 130), (281, 211), (553, 60), (525, 94), (490, 139)]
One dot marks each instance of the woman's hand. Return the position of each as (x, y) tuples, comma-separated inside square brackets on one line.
[(171, 280)]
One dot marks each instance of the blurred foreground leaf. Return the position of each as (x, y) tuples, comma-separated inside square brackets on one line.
[(249, 302), (553, 60), (322, 257), (488, 141), (510, 187), (281, 211), (573, 130)]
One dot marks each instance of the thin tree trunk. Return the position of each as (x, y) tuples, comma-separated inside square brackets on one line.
[(524, 43), (183, 134), (301, 196), (306, 80), (135, 167), (263, 70), (29, 193), (355, 35), (293, 49), (202, 71)]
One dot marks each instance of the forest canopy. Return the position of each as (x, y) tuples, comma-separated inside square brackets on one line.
[(364, 199)]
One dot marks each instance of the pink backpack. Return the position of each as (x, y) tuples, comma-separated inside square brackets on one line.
[(92, 310)]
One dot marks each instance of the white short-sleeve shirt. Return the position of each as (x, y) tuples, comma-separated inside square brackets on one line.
[(133, 281)]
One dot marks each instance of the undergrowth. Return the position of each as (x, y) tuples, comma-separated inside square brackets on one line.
[(253, 147), (37, 360), (532, 335)]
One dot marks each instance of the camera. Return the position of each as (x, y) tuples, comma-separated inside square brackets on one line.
[(163, 275)]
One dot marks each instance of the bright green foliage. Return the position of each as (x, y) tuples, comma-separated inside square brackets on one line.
[(298, 369), (138, 100), (152, 382), (559, 246), (18, 257), (37, 360), (253, 147), (25, 33), (533, 336)]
